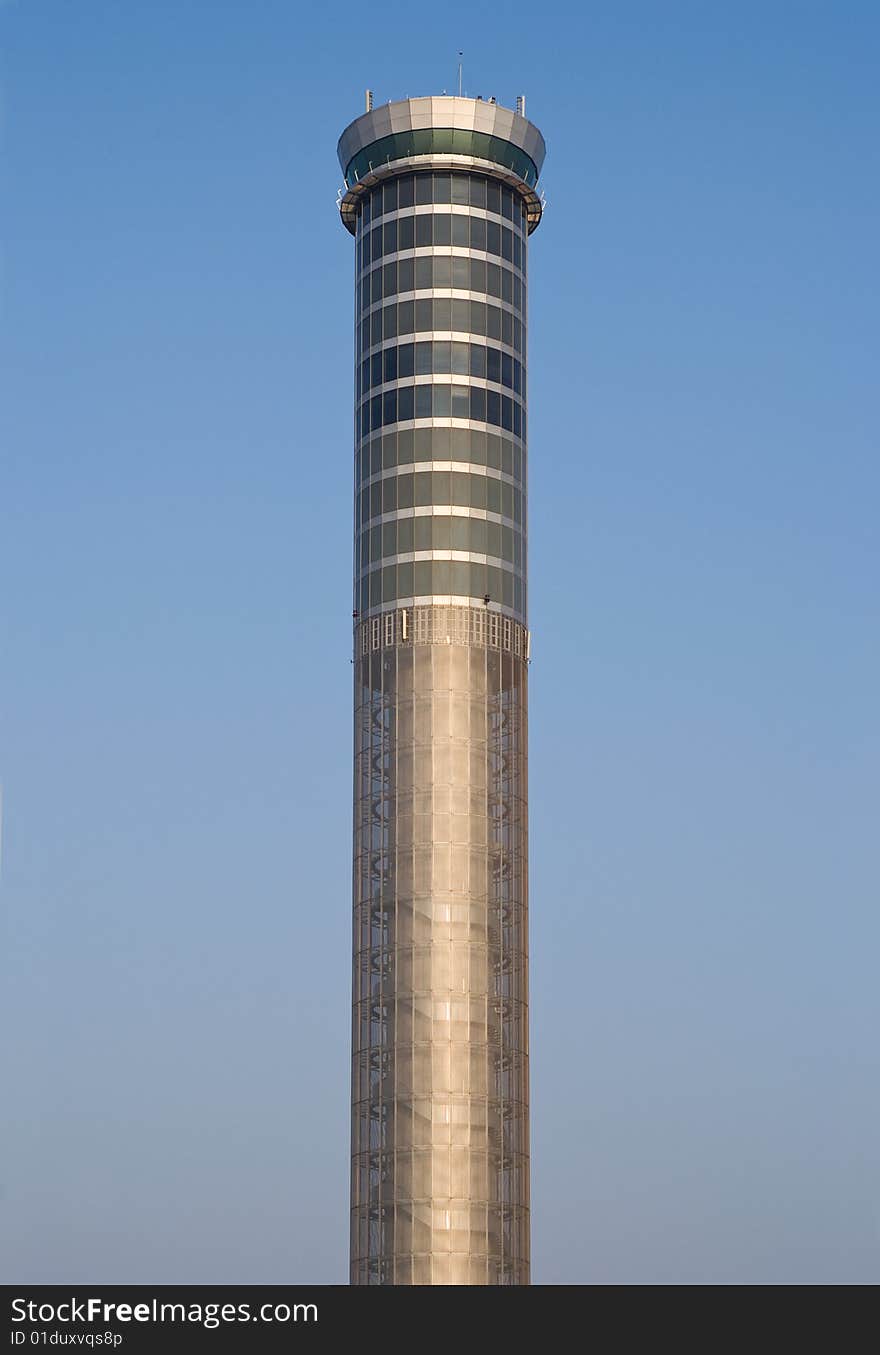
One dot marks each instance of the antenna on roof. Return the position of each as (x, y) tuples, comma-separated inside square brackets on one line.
[(368, 100), (521, 105), (460, 55)]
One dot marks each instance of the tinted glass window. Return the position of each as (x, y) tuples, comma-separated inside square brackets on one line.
[(389, 279), (460, 359), (442, 228), (406, 275), (405, 359), (406, 232), (423, 358), (406, 403), (460, 230), (442, 270), (461, 315), (405, 317)]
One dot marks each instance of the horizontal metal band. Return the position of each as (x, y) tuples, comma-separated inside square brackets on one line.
[(463, 467), (444, 336), (445, 252), (348, 203), (465, 557), (441, 294), (445, 379), (456, 208)]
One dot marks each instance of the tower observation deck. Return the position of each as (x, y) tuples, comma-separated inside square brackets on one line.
[(440, 196)]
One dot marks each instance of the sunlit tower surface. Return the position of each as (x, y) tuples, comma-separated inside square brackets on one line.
[(440, 195)]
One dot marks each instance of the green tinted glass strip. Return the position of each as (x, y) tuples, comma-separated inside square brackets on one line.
[(442, 141)]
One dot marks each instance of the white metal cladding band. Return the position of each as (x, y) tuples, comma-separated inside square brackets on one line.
[(384, 214), (446, 336), (444, 510), (425, 467), (440, 294), (461, 380), (448, 421), (461, 554), (349, 204), (441, 252), (409, 602)]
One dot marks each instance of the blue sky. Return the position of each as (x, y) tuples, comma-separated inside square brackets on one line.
[(175, 524)]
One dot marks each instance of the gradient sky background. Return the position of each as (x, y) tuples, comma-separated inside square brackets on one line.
[(175, 550)]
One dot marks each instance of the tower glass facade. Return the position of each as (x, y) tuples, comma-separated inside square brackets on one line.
[(440, 198)]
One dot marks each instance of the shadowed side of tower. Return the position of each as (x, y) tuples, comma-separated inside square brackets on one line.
[(440, 196)]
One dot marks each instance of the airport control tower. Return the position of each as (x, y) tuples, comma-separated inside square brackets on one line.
[(440, 195)]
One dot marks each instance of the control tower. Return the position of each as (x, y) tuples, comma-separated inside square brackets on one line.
[(441, 198)]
